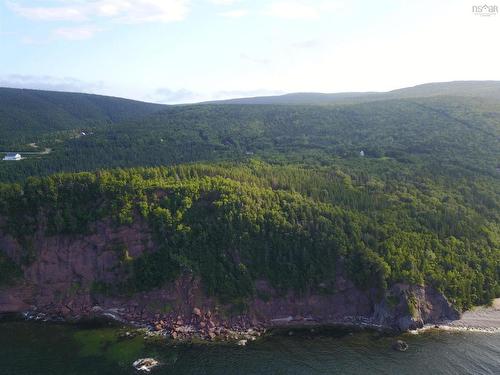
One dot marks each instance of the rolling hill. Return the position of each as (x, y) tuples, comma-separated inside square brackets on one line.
[(456, 133), (452, 135), (481, 89), (29, 114)]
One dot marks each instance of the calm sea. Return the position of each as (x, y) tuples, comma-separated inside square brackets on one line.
[(38, 348)]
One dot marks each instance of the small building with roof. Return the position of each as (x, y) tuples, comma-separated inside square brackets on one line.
[(12, 156)]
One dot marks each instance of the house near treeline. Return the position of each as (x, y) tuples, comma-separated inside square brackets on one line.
[(12, 156)]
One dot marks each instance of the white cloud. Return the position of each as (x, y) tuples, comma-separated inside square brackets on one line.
[(126, 11), (237, 13), (49, 83), (7, 32), (169, 96), (139, 11), (224, 2), (183, 96), (301, 10), (292, 10), (449, 43), (30, 40), (231, 94), (311, 43), (49, 13), (254, 59), (76, 33)]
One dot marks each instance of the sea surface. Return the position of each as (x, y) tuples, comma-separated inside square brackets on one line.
[(43, 348)]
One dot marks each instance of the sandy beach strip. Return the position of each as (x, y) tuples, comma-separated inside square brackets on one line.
[(478, 319)]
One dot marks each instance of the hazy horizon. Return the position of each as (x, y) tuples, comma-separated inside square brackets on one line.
[(182, 51), (258, 96)]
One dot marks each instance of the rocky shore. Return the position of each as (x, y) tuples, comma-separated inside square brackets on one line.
[(75, 278), (204, 325), (175, 313), (478, 319), (199, 326)]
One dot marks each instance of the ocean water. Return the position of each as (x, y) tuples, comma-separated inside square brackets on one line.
[(41, 348)]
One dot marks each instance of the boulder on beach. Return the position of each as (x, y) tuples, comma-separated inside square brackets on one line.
[(145, 364), (197, 312), (400, 346)]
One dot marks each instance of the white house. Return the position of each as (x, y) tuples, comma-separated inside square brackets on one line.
[(12, 156)]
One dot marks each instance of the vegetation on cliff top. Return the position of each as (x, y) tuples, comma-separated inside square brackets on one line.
[(233, 224), (420, 203)]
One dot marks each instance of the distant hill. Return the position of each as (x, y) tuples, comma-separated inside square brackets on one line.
[(481, 89), (303, 98), (25, 114), (437, 134), (450, 128), (485, 89)]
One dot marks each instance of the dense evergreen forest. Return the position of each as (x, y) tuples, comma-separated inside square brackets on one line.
[(452, 135), (400, 189), (233, 224), (28, 116)]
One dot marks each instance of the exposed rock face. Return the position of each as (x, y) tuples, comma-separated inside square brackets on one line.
[(345, 302), (62, 279), (15, 299), (68, 267), (408, 307)]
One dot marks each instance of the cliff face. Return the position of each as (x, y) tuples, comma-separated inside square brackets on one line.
[(408, 307), (66, 275), (67, 269)]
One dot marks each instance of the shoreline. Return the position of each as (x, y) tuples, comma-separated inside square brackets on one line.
[(185, 331), (207, 328), (224, 334), (484, 319)]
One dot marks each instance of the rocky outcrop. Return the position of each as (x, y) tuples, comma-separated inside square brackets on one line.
[(145, 364), (15, 299), (63, 281), (408, 307), (67, 268), (400, 346), (343, 301)]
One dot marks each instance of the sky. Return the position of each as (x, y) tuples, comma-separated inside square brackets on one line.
[(177, 51)]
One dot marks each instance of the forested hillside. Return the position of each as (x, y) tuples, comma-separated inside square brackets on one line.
[(443, 135), (232, 225), (28, 116), (394, 190)]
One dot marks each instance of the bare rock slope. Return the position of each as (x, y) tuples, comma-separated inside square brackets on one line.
[(64, 280)]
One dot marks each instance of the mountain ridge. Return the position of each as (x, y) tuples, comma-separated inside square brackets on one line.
[(479, 88), (451, 88), (26, 113)]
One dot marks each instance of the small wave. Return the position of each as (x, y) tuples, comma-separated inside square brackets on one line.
[(452, 328)]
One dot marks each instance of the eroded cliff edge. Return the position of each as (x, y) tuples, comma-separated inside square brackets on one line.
[(70, 277)]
